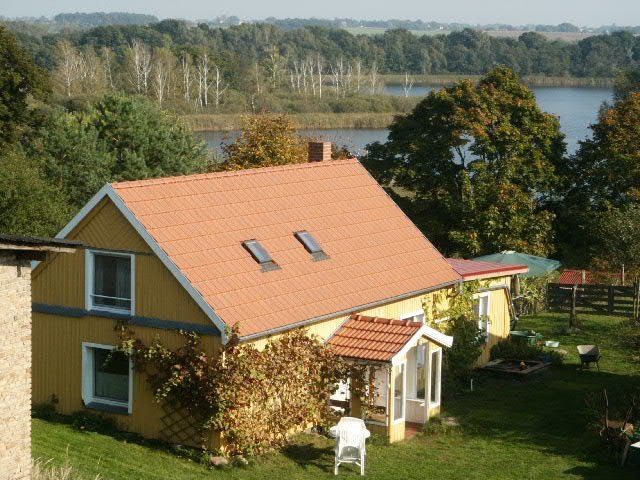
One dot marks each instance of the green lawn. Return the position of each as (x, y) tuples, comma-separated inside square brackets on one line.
[(531, 430)]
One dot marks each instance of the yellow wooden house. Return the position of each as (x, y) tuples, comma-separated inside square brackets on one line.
[(318, 246)]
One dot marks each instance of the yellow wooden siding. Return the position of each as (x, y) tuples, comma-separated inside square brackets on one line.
[(61, 279), (398, 310), (57, 365), (498, 315)]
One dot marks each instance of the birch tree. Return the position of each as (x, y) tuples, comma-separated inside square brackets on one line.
[(69, 62), (220, 86), (163, 62), (373, 77), (139, 65), (107, 65), (407, 85), (186, 65)]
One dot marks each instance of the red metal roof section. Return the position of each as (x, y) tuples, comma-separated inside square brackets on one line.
[(375, 252), (579, 277), (372, 338), (470, 269)]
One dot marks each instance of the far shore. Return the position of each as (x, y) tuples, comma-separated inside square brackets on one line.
[(225, 122)]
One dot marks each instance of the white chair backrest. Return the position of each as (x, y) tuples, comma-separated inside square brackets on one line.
[(350, 433)]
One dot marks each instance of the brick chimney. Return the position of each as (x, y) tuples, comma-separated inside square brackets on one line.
[(319, 151)]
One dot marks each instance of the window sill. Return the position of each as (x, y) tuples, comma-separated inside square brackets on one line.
[(103, 407), (121, 311)]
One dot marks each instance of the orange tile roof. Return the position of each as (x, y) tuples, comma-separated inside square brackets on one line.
[(474, 269), (376, 253), (372, 338)]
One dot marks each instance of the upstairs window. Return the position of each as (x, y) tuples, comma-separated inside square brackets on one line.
[(110, 281), (260, 255), (311, 245)]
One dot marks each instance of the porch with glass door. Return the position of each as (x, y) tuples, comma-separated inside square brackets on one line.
[(404, 372)]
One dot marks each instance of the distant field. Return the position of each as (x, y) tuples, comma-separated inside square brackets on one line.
[(565, 36), (380, 31)]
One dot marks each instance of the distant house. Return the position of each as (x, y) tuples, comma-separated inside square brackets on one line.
[(16, 254), (318, 246)]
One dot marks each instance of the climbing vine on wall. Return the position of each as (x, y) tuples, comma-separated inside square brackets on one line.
[(255, 398)]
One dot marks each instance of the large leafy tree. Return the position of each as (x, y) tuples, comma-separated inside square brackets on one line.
[(29, 203), (19, 79), (479, 163), (603, 184)]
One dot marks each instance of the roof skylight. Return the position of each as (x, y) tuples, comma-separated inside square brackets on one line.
[(260, 254), (311, 244)]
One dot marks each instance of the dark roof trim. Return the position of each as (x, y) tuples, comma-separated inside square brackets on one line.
[(19, 242), (63, 311)]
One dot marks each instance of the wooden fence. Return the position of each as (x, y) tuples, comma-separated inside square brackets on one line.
[(598, 299)]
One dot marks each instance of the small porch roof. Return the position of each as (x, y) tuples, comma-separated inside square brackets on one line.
[(378, 339)]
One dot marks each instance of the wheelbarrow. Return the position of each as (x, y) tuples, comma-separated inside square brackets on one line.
[(589, 354)]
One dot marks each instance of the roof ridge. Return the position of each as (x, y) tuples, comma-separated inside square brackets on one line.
[(385, 321), (230, 173)]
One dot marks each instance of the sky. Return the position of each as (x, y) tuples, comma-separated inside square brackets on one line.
[(515, 12)]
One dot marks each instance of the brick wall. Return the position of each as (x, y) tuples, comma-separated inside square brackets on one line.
[(15, 367)]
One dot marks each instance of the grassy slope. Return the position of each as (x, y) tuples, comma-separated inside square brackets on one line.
[(532, 430)]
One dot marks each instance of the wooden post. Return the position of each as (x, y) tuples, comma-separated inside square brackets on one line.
[(573, 316), (610, 300)]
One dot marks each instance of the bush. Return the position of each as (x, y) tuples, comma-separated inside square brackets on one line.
[(92, 422), (460, 359)]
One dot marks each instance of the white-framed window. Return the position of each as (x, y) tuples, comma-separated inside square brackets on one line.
[(107, 378), (435, 377), (399, 392), (481, 307), (110, 281), (421, 374), (417, 316)]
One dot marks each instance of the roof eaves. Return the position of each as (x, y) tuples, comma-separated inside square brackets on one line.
[(349, 311)]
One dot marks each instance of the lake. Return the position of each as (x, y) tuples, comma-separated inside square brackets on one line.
[(577, 108)]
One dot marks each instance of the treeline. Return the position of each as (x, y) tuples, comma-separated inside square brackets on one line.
[(395, 51), (262, 67), (96, 19)]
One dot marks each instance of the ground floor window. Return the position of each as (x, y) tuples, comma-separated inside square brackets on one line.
[(436, 368), (398, 392), (106, 378), (421, 374)]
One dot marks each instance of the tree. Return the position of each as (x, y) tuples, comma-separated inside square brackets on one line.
[(603, 175), (265, 140), (626, 82), (480, 161), (30, 205), (72, 156), (616, 239), (19, 79)]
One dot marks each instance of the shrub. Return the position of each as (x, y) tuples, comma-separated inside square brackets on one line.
[(92, 422), (255, 398)]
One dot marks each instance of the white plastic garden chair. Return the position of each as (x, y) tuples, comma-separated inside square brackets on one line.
[(351, 435)]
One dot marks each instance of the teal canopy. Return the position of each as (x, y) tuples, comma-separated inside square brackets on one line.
[(538, 266)]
